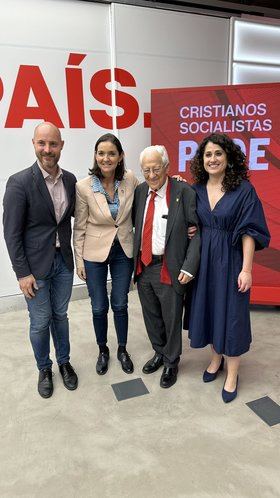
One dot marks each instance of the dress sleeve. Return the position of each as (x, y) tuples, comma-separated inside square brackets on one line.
[(251, 221)]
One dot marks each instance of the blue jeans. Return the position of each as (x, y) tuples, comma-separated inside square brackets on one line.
[(121, 268), (48, 314)]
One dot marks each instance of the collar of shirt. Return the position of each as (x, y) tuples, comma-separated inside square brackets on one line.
[(46, 175), (161, 192), (98, 187)]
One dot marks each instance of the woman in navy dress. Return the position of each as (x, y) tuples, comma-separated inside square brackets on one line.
[(233, 226)]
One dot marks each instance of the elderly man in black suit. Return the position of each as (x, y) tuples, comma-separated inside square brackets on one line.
[(38, 205), (165, 259)]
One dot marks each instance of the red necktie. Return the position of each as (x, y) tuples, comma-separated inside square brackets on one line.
[(146, 254)]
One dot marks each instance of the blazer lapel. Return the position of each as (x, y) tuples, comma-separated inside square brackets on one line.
[(42, 187), (140, 211), (122, 198), (175, 196), (103, 206), (70, 192)]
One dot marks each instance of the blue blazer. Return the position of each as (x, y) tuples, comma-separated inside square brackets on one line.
[(30, 225)]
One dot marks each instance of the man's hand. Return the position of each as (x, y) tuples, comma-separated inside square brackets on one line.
[(27, 286), (184, 278), (81, 272)]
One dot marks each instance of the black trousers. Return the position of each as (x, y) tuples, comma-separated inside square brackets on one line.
[(162, 309)]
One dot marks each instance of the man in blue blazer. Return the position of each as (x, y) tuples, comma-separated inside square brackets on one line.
[(38, 205)]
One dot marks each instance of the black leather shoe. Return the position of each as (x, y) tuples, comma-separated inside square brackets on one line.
[(168, 376), (45, 383), (102, 363), (69, 377), (153, 364), (126, 362)]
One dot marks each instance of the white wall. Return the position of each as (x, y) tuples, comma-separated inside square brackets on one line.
[(157, 48), (43, 33), (164, 49), (255, 51)]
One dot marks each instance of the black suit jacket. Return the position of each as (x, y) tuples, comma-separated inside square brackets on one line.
[(30, 225), (180, 252)]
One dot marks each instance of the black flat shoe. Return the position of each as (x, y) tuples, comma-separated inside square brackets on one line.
[(168, 376), (102, 363), (45, 383), (209, 377), (69, 376), (153, 364), (126, 362)]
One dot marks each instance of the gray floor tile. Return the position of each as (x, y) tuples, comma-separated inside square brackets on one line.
[(129, 389)]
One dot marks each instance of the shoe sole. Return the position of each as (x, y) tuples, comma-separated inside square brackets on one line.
[(125, 371), (70, 388), (44, 396), (170, 385), (101, 373)]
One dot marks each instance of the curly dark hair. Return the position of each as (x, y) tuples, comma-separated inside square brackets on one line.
[(236, 170), (120, 169)]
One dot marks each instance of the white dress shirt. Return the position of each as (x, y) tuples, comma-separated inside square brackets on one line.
[(159, 221)]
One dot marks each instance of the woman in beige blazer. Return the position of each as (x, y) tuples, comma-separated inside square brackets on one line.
[(103, 238)]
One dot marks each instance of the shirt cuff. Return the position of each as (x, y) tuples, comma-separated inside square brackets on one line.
[(187, 273)]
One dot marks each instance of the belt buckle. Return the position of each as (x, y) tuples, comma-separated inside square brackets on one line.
[(157, 258)]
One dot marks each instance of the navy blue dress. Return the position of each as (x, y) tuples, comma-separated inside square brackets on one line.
[(219, 313)]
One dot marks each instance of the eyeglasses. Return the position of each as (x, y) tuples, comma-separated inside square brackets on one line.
[(156, 171)]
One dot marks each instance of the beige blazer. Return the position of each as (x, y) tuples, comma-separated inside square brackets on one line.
[(94, 227)]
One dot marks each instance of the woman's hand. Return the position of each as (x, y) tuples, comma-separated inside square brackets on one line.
[(244, 281), (245, 276), (179, 178), (81, 272), (192, 231)]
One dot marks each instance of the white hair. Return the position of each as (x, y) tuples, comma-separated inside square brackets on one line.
[(160, 149)]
